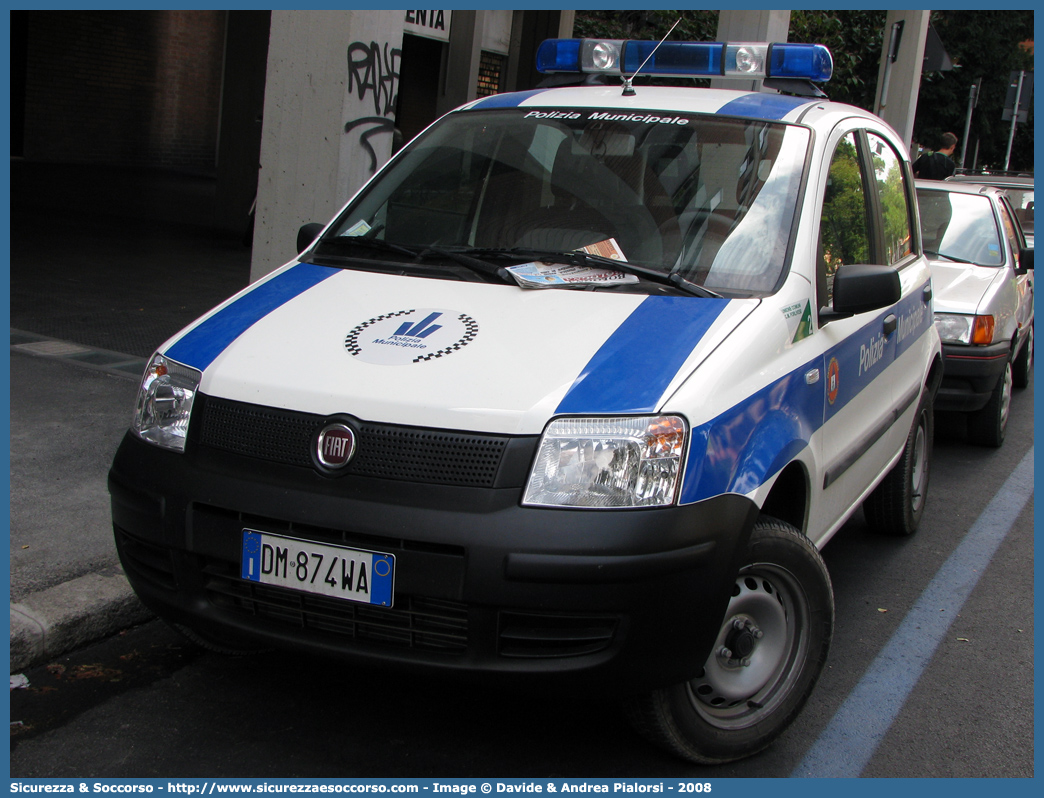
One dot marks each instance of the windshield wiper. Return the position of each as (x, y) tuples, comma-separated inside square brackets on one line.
[(417, 254), (464, 258), (930, 253), (368, 243), (474, 258), (578, 258)]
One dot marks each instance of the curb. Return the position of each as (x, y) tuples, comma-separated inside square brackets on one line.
[(73, 614)]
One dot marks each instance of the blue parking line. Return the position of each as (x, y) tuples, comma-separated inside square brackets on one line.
[(861, 723)]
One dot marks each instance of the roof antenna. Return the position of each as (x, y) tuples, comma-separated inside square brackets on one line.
[(628, 90)]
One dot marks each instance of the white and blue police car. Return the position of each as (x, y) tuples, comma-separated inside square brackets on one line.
[(576, 386)]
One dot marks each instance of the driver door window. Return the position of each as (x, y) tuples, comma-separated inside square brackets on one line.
[(844, 228)]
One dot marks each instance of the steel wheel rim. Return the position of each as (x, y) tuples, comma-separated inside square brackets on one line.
[(731, 695), (919, 472), (1005, 398)]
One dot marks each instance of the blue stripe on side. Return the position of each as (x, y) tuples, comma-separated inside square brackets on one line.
[(737, 451), (199, 347), (763, 106), (510, 100), (632, 369)]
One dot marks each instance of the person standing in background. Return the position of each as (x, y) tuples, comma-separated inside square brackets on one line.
[(937, 165)]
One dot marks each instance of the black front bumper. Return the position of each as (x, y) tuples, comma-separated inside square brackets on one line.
[(970, 373), (630, 597)]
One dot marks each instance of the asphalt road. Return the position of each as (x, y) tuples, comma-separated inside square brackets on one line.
[(66, 423), (145, 704)]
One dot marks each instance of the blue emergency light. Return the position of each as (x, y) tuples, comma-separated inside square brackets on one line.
[(687, 59)]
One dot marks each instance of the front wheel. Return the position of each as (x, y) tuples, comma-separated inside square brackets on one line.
[(766, 659), (1022, 368), (987, 427)]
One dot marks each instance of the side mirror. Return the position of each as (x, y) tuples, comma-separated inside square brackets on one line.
[(1025, 260), (862, 287), (307, 235)]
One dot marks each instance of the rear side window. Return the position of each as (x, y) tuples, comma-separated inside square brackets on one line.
[(1009, 225), (894, 199)]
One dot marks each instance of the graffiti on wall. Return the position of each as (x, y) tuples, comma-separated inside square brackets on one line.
[(373, 73)]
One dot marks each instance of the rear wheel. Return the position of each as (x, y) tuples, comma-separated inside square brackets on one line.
[(896, 505), (987, 427), (1022, 368), (765, 661)]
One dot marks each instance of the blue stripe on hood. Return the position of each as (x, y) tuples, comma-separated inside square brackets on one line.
[(763, 106), (633, 368), (511, 100), (200, 346)]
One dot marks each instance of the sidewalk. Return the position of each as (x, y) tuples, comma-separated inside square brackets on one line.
[(105, 266)]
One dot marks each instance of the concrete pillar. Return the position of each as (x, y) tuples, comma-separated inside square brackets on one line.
[(462, 66), (750, 26), (565, 24), (329, 113), (899, 81)]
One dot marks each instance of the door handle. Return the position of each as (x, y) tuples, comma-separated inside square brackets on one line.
[(926, 294), (890, 323)]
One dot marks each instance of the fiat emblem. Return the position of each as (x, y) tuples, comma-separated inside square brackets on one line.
[(335, 446)]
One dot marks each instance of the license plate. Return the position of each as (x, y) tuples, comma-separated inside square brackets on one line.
[(367, 577)]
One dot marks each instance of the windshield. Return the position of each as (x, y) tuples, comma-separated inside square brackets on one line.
[(961, 227), (709, 199)]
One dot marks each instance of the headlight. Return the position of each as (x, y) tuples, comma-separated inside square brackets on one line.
[(165, 403), (955, 328), (608, 462)]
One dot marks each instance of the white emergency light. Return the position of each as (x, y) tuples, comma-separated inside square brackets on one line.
[(687, 59)]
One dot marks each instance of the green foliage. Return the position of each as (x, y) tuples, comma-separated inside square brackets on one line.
[(984, 44), (854, 39), (695, 26)]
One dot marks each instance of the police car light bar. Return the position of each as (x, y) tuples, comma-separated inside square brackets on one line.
[(687, 59)]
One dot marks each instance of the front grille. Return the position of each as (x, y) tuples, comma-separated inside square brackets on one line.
[(541, 636), (421, 623), (147, 561), (256, 431), (410, 454), (414, 622)]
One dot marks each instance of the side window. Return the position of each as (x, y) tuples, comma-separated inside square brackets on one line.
[(894, 199), (844, 231), (1009, 231)]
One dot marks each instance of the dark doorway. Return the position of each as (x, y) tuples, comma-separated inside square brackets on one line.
[(19, 50), (419, 71)]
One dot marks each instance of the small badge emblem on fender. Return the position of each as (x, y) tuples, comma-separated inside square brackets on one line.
[(833, 380)]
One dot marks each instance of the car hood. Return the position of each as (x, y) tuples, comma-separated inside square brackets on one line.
[(960, 287), (449, 354)]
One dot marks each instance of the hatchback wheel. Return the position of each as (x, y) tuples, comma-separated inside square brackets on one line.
[(1022, 370), (765, 661), (986, 427)]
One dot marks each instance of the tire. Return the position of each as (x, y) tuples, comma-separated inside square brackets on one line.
[(987, 427), (227, 648), (1022, 368), (896, 505), (775, 635)]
